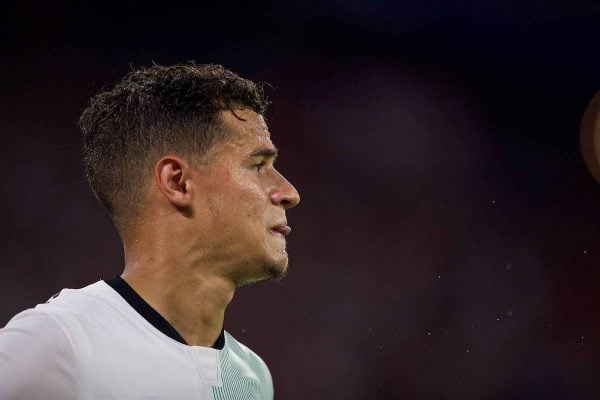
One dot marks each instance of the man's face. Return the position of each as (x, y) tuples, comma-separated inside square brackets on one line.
[(246, 200)]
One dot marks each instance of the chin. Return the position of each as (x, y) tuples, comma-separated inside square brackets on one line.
[(277, 272), (268, 270)]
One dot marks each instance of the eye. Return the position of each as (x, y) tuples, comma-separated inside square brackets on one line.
[(259, 165)]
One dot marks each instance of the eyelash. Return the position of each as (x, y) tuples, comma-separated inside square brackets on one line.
[(260, 165)]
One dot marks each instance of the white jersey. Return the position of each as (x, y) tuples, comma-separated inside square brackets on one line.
[(96, 343)]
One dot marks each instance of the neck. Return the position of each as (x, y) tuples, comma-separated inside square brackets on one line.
[(190, 298)]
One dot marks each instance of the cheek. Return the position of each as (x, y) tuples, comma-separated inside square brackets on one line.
[(253, 204), (237, 197), (249, 195), (215, 204)]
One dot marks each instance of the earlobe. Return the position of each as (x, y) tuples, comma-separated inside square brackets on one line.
[(172, 178)]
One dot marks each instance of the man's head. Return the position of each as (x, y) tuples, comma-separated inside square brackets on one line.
[(152, 112), (190, 140)]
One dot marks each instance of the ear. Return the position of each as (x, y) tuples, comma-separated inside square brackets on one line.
[(172, 176)]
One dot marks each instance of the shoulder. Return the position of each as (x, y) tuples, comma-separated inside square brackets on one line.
[(33, 329), (42, 345), (79, 299), (47, 320), (33, 322), (35, 349), (72, 307), (55, 322)]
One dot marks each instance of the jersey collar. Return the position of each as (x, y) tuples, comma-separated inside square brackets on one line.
[(150, 314)]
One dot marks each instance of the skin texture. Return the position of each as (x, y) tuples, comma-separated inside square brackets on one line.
[(210, 228)]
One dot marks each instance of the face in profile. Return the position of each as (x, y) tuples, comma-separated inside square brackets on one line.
[(247, 199)]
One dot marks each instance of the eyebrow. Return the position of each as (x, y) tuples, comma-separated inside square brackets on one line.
[(265, 152)]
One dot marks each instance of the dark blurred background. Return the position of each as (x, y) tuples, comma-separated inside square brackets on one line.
[(448, 241)]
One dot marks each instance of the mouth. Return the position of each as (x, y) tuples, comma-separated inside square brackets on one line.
[(281, 230)]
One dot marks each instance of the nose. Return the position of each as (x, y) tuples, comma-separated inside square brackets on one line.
[(285, 194)]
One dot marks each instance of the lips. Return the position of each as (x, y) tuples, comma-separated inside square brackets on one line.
[(280, 230)]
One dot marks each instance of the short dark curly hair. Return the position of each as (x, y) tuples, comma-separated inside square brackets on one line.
[(149, 113)]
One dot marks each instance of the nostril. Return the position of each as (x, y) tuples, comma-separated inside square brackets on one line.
[(288, 202)]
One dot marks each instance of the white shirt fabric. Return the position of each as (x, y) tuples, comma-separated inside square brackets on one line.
[(90, 343)]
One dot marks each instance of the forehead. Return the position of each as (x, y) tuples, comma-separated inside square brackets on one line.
[(246, 129)]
